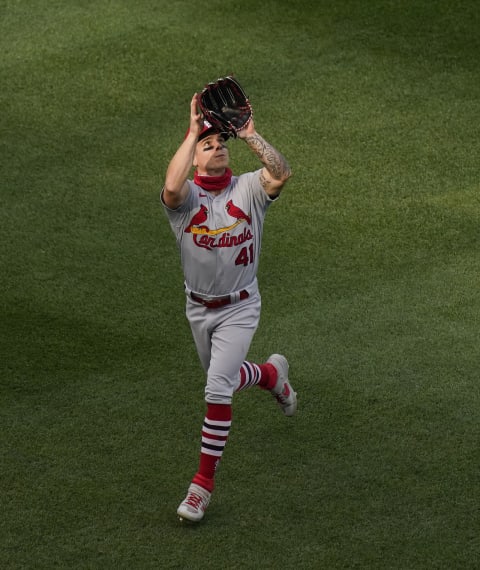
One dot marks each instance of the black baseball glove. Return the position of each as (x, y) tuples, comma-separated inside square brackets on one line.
[(225, 105)]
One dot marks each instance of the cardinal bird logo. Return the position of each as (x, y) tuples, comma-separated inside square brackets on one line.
[(198, 219), (236, 212), (197, 225)]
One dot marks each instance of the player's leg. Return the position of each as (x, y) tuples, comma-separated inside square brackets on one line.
[(231, 332), (215, 430), (230, 342), (271, 376), (253, 374), (225, 339), (201, 322)]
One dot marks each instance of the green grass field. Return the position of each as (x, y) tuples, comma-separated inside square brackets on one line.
[(369, 276)]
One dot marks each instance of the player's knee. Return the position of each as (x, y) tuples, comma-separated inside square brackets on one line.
[(217, 399), (218, 393)]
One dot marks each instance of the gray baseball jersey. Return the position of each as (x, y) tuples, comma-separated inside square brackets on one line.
[(219, 237)]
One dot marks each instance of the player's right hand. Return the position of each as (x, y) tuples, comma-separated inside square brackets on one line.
[(196, 117)]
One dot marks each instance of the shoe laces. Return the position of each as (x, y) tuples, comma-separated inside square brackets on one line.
[(284, 394), (194, 500)]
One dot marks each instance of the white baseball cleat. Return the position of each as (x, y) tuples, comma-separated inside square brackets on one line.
[(283, 391), (192, 508)]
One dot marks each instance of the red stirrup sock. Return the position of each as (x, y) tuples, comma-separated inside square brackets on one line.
[(263, 375), (216, 426)]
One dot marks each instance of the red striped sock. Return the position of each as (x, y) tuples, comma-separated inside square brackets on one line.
[(216, 427), (263, 375)]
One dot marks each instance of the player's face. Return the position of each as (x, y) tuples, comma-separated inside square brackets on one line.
[(211, 155)]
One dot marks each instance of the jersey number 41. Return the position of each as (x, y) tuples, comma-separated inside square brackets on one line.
[(245, 256)]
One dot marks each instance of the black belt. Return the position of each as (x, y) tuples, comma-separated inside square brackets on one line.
[(219, 301)]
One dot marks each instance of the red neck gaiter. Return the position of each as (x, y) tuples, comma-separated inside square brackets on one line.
[(213, 182)]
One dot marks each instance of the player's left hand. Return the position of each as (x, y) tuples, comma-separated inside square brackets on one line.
[(248, 131)]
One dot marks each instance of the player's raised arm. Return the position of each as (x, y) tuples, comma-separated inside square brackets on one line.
[(175, 188), (276, 169)]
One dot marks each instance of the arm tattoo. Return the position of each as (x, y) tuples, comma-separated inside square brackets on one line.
[(273, 161)]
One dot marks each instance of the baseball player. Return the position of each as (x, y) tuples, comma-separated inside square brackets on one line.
[(217, 219)]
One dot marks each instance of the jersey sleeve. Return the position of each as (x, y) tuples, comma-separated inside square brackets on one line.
[(179, 218), (260, 197)]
